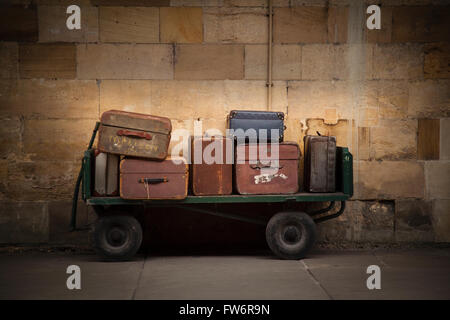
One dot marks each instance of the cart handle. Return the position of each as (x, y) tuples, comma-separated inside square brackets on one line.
[(73, 218)]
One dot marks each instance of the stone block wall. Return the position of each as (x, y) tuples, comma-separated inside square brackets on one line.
[(384, 93)]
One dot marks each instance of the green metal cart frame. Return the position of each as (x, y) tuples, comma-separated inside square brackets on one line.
[(344, 187)]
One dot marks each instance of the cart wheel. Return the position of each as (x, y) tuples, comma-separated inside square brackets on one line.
[(290, 235), (117, 238)]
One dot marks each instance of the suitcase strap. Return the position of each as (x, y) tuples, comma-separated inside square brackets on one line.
[(148, 181), (134, 134)]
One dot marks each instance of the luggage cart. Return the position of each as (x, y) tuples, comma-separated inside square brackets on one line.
[(117, 234)]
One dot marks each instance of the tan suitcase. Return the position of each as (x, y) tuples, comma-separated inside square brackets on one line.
[(106, 177), (134, 134)]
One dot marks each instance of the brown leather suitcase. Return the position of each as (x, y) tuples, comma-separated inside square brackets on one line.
[(106, 177), (258, 176), (212, 176), (320, 164), (134, 134), (146, 179)]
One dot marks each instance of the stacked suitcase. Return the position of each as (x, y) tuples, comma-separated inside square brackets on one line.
[(260, 174), (264, 163), (145, 172), (132, 159), (263, 124)]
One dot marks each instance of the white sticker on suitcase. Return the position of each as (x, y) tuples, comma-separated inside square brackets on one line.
[(266, 178)]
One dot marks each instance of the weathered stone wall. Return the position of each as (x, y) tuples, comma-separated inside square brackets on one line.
[(384, 93)]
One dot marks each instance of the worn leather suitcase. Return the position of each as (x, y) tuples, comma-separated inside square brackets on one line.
[(256, 120), (320, 164), (146, 179), (212, 176), (255, 175), (106, 177), (134, 134)]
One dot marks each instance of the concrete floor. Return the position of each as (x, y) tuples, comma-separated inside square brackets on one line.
[(339, 274)]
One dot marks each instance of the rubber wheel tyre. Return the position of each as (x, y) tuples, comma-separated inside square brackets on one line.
[(117, 238), (290, 235)]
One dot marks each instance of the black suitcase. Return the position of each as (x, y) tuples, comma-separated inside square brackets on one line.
[(320, 164), (256, 120)]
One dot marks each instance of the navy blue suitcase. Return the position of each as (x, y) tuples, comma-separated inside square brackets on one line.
[(256, 120)]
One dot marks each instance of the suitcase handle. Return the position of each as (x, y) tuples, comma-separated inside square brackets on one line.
[(153, 180), (135, 134), (259, 165)]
